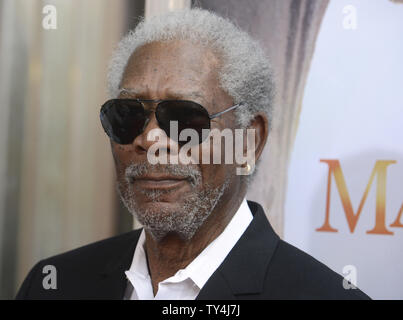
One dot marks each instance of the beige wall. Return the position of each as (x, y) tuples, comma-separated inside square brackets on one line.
[(156, 7), (57, 187), (287, 29)]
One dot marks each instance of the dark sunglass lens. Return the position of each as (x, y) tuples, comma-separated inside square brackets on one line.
[(123, 119), (188, 114)]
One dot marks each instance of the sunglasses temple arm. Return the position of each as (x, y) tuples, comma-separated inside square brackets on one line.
[(215, 115)]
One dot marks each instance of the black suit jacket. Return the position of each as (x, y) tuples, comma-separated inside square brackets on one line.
[(260, 266)]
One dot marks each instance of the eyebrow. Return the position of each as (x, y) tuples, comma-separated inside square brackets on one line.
[(180, 95), (128, 90)]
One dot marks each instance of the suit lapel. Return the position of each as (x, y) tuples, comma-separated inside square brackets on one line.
[(216, 288), (241, 273), (244, 269), (113, 279)]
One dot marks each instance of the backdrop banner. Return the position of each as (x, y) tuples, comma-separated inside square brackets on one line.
[(345, 198)]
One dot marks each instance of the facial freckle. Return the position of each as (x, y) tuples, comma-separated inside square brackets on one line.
[(155, 69)]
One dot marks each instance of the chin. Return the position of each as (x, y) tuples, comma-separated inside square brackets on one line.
[(159, 207)]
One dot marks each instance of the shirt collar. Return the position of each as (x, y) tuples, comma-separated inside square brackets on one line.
[(204, 265)]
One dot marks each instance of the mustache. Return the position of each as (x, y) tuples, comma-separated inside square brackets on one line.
[(188, 172)]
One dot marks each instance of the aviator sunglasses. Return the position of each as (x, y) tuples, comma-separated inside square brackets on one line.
[(125, 119)]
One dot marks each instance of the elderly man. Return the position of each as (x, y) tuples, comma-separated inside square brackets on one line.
[(201, 238)]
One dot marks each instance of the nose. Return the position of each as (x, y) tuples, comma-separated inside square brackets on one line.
[(141, 144), (153, 135)]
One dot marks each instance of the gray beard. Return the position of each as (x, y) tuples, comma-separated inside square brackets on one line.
[(185, 221)]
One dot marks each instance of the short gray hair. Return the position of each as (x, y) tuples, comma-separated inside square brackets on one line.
[(245, 72)]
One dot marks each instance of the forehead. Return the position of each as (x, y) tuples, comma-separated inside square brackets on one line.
[(167, 68)]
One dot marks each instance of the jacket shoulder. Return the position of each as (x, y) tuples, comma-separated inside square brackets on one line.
[(96, 251), (77, 268), (294, 274)]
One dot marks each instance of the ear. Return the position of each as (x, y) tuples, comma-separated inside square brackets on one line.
[(260, 124), (256, 137)]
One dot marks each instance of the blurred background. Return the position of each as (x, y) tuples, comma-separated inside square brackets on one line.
[(57, 180)]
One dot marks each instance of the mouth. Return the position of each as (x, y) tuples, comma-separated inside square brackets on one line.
[(159, 182)]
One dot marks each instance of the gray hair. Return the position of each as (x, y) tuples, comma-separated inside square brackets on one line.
[(245, 72)]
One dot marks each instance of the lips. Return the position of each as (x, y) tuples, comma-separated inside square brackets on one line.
[(159, 181)]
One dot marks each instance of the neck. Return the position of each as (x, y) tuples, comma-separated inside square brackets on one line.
[(172, 253)]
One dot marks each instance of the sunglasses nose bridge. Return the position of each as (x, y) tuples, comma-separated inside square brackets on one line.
[(150, 113), (141, 142), (150, 108), (150, 123), (150, 105)]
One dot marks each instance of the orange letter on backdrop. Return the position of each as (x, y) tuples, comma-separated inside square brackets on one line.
[(397, 223), (352, 218)]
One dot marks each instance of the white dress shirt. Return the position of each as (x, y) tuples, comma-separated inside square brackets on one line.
[(187, 283)]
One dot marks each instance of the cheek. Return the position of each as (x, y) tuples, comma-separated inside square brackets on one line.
[(215, 175), (211, 157), (219, 148), (121, 157)]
